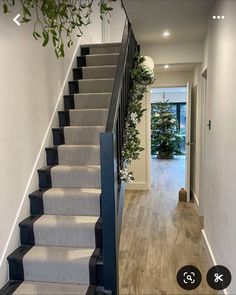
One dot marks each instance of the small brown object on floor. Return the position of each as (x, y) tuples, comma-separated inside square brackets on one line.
[(182, 195)]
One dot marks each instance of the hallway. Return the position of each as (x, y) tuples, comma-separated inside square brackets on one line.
[(159, 236)]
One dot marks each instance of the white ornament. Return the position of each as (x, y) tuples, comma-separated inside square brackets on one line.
[(149, 63)]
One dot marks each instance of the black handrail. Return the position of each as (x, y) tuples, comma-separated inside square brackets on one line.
[(111, 145), (115, 98)]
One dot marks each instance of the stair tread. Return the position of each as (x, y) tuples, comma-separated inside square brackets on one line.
[(45, 288), (95, 67), (72, 201), (95, 79), (62, 191), (83, 127), (103, 54), (93, 93), (89, 110), (70, 167), (57, 220), (101, 44), (55, 264), (60, 230)]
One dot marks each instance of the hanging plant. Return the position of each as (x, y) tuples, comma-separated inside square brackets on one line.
[(56, 20), (141, 78)]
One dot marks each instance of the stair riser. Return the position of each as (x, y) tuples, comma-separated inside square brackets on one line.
[(58, 136), (90, 86), (81, 178), (33, 232), (83, 118), (87, 117), (91, 101), (79, 155), (67, 155), (64, 118), (94, 72), (95, 86), (44, 176), (102, 60), (43, 202), (82, 136), (52, 156), (100, 50), (69, 102)]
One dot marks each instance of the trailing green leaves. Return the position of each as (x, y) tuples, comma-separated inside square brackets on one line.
[(141, 78), (56, 20)]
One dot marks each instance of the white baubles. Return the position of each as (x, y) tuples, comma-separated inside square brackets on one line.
[(149, 63)]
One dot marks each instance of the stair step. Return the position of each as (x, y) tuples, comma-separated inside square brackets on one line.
[(44, 288), (61, 230), (66, 201), (88, 117), (100, 48), (54, 264), (68, 176), (79, 154), (98, 60), (91, 86), (96, 85), (83, 134), (92, 100), (95, 72)]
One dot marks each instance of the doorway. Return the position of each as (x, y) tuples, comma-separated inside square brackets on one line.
[(168, 131)]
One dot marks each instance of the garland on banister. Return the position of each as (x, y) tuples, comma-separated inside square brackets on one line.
[(141, 78)]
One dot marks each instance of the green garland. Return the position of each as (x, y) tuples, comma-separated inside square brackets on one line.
[(141, 78), (56, 20)]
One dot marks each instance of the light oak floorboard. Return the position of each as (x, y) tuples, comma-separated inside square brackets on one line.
[(160, 235)]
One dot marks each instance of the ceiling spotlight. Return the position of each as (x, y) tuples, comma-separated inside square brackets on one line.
[(218, 16), (222, 17), (214, 17), (166, 66), (166, 34)]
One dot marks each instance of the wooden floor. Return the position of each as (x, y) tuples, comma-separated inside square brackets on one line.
[(160, 235)]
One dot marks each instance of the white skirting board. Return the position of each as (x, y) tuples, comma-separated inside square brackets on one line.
[(210, 255)]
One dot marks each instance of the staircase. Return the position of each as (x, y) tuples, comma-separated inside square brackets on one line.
[(62, 239)]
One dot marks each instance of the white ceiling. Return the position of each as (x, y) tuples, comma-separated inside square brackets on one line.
[(185, 19), (187, 67)]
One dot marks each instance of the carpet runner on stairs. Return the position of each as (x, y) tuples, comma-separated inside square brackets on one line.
[(62, 239)]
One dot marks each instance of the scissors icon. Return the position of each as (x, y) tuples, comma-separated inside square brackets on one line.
[(218, 278)]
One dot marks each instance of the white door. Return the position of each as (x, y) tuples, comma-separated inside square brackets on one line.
[(188, 141)]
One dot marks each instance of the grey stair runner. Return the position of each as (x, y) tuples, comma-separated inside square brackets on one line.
[(99, 72), (102, 59), (65, 235), (57, 264), (92, 100), (41, 288)]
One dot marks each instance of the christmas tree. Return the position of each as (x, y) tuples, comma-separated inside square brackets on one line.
[(165, 138)]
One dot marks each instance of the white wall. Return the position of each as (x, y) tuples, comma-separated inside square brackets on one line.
[(32, 83), (171, 96), (116, 22), (141, 167), (219, 198), (172, 79), (174, 53)]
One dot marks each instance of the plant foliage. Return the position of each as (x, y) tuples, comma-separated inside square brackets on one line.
[(165, 138), (141, 78), (56, 20)]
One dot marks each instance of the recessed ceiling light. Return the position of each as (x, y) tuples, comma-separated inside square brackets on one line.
[(166, 66), (166, 34)]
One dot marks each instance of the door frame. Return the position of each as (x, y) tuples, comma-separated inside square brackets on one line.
[(149, 181), (203, 84)]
